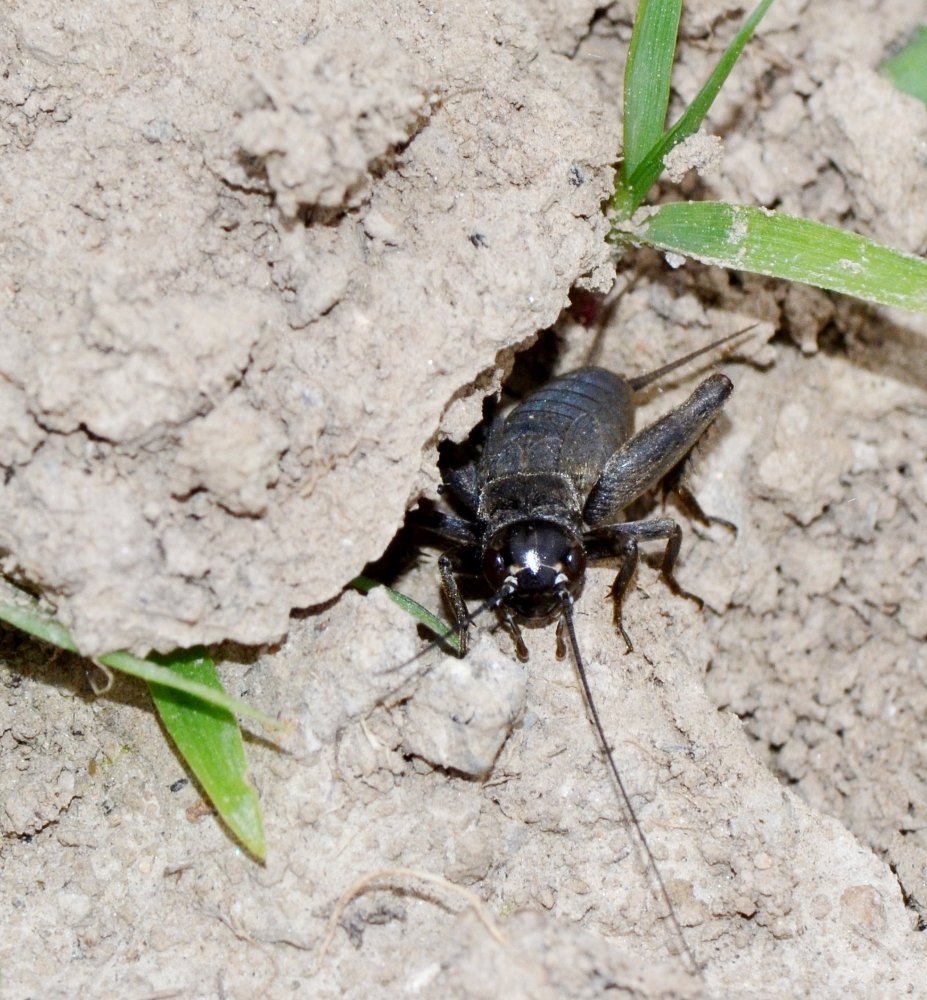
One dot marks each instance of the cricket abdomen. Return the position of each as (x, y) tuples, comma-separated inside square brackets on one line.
[(568, 427)]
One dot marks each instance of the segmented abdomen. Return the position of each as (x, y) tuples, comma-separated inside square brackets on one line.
[(569, 426)]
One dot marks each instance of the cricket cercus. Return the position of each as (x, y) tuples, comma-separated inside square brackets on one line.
[(546, 496)]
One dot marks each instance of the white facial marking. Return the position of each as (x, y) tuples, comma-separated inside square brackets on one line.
[(532, 560)]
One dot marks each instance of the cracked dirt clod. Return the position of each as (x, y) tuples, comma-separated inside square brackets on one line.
[(323, 118), (343, 341)]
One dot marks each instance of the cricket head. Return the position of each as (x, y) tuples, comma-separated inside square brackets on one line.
[(532, 562)]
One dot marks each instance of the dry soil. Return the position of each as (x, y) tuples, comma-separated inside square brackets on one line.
[(258, 261)]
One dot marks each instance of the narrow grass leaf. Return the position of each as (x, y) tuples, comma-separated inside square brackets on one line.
[(19, 610), (196, 711), (647, 78), (22, 611), (755, 239), (422, 615), (209, 740), (632, 190), (908, 69)]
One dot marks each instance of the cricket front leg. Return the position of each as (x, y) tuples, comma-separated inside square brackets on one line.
[(448, 565)]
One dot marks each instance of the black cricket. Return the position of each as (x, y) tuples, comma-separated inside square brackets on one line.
[(546, 496)]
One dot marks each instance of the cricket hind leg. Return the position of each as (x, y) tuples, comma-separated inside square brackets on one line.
[(639, 464), (622, 540), (608, 544), (676, 483)]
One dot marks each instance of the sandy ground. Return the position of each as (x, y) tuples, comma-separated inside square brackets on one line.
[(256, 267)]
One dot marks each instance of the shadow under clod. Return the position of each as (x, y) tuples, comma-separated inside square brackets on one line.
[(68, 673), (889, 349)]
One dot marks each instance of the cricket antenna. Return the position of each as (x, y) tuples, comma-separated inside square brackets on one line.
[(642, 381), (566, 602)]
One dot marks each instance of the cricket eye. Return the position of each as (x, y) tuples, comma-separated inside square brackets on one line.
[(574, 562), (495, 567)]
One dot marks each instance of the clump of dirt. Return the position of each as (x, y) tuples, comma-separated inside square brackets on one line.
[(256, 270), (266, 303), (320, 124)]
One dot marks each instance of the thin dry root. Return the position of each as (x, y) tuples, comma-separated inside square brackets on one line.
[(366, 883), (97, 686)]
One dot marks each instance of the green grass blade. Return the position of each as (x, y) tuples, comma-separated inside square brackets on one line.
[(908, 69), (20, 610), (647, 78), (197, 713), (209, 740), (755, 239), (422, 615), (631, 191), (148, 670)]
